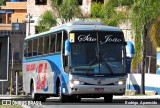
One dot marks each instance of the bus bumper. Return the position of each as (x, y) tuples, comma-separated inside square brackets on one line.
[(92, 89)]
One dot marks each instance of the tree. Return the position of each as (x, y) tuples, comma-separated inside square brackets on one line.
[(1, 2), (143, 13), (66, 10), (47, 20), (154, 33), (107, 12)]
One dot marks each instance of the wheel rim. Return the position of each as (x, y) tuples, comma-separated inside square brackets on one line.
[(59, 91), (33, 95)]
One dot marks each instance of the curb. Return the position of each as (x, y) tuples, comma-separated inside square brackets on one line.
[(138, 97)]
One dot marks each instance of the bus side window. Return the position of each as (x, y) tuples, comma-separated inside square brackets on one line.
[(52, 43), (25, 49), (35, 44), (58, 42), (65, 58), (40, 46), (46, 44), (30, 48)]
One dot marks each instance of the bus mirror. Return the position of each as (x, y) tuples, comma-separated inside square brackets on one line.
[(130, 49), (67, 48)]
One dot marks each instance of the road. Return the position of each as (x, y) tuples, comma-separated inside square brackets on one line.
[(98, 103), (118, 101)]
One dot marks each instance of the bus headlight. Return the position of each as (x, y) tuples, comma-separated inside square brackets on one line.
[(120, 83), (77, 82)]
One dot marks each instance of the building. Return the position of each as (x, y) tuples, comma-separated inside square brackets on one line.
[(35, 8), (12, 15)]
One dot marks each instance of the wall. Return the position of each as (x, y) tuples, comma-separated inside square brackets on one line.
[(20, 14), (151, 82), (36, 11)]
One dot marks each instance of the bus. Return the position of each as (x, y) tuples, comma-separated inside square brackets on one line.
[(79, 59)]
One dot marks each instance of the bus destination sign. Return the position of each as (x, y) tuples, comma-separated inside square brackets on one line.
[(102, 37)]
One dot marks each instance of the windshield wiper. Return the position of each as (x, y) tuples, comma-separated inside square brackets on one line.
[(90, 63), (106, 63)]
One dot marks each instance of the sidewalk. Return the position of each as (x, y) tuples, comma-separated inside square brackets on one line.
[(14, 97), (138, 97)]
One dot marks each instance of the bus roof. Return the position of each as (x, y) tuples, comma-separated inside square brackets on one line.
[(78, 25)]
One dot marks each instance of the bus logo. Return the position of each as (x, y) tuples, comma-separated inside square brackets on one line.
[(41, 83), (99, 82)]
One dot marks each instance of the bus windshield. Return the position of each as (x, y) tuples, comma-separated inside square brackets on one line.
[(97, 58)]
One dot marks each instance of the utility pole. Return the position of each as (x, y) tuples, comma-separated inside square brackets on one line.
[(29, 17), (29, 21), (11, 71)]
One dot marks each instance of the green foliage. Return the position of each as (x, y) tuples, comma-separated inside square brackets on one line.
[(1, 2), (107, 13), (117, 3), (47, 20), (97, 10), (66, 10), (69, 10), (57, 2), (154, 33), (128, 3), (142, 13), (10, 106)]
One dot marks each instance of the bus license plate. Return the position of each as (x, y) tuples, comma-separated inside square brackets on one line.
[(99, 89)]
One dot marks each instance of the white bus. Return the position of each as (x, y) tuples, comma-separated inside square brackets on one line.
[(76, 60)]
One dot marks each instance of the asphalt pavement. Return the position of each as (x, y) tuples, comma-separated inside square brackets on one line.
[(53, 101), (114, 97)]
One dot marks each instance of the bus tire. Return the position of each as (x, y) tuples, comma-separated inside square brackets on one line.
[(108, 98), (43, 99), (74, 99), (34, 96), (78, 99), (61, 96)]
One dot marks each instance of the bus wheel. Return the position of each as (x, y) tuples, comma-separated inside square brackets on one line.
[(74, 99), (62, 97), (34, 96), (108, 98), (43, 99), (78, 99)]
